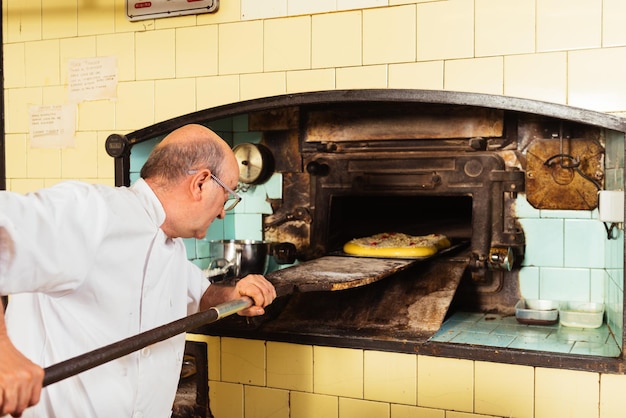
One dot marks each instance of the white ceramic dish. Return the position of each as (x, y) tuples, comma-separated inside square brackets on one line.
[(582, 314)]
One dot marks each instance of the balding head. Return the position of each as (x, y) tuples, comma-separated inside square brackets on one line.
[(180, 171), (190, 147)]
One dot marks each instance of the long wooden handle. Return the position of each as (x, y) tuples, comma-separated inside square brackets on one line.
[(102, 355)]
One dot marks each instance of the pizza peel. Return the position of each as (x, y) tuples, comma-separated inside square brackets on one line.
[(328, 273)]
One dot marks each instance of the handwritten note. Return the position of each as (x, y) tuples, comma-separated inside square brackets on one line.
[(52, 126), (92, 79)]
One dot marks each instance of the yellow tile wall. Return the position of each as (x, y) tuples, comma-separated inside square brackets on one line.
[(302, 381), (563, 51), (193, 62)]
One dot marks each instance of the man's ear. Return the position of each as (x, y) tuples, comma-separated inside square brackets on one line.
[(198, 181)]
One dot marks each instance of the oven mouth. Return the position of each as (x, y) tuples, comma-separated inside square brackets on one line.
[(364, 215)]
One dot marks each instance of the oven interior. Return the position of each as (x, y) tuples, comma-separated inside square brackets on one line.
[(361, 216)]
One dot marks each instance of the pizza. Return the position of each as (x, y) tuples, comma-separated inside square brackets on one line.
[(397, 244)]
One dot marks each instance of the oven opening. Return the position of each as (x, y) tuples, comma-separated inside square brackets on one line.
[(360, 216)]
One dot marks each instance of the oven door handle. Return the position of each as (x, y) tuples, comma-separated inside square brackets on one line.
[(99, 356)]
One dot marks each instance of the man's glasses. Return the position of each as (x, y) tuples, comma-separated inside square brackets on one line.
[(233, 197)]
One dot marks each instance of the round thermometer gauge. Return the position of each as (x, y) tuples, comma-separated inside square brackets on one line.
[(256, 163)]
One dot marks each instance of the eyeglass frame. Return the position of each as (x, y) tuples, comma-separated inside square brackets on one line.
[(238, 197)]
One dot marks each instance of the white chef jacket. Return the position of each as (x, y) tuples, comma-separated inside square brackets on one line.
[(91, 266)]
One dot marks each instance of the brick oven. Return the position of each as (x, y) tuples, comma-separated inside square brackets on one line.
[(354, 163)]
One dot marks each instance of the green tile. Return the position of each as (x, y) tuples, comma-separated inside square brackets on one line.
[(244, 137), (469, 328), (541, 344), (523, 209), (492, 340), (240, 123), (225, 125), (596, 349), (190, 246), (139, 153), (584, 243), (544, 242), (564, 284)]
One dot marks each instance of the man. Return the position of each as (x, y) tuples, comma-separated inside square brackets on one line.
[(88, 265)]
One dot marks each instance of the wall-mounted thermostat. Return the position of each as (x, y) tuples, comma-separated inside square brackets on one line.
[(154, 9)]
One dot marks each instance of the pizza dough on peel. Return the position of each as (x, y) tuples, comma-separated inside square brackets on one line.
[(396, 244)]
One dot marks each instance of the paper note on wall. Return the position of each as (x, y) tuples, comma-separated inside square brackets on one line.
[(92, 79), (52, 126)]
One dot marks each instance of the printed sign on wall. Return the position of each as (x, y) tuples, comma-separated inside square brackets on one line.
[(154, 9)]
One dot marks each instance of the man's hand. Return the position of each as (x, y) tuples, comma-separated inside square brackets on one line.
[(20, 380), (259, 289), (255, 286)]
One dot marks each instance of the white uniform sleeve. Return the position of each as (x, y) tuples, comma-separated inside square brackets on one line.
[(49, 238)]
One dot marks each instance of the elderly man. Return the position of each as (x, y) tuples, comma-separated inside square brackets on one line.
[(88, 265)]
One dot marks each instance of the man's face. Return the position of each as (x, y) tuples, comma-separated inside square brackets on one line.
[(214, 198)]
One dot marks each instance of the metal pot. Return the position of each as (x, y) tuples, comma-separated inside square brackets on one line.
[(238, 258), (243, 256)]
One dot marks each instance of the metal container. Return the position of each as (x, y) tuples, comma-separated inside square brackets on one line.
[(537, 312), (245, 256)]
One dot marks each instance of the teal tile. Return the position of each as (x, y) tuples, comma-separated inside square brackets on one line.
[(614, 151), (536, 331), (139, 153), (523, 209), (584, 243), (190, 246), (492, 340), (248, 226), (614, 252), (245, 137), (274, 186), (226, 136), (219, 125), (564, 284), (529, 282), (544, 242), (541, 344), (468, 328), (565, 214), (596, 349), (216, 229), (240, 123), (202, 248), (598, 280), (229, 226), (558, 345), (255, 201), (133, 177), (615, 310), (529, 342), (571, 334), (613, 178), (486, 325), (510, 330)]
